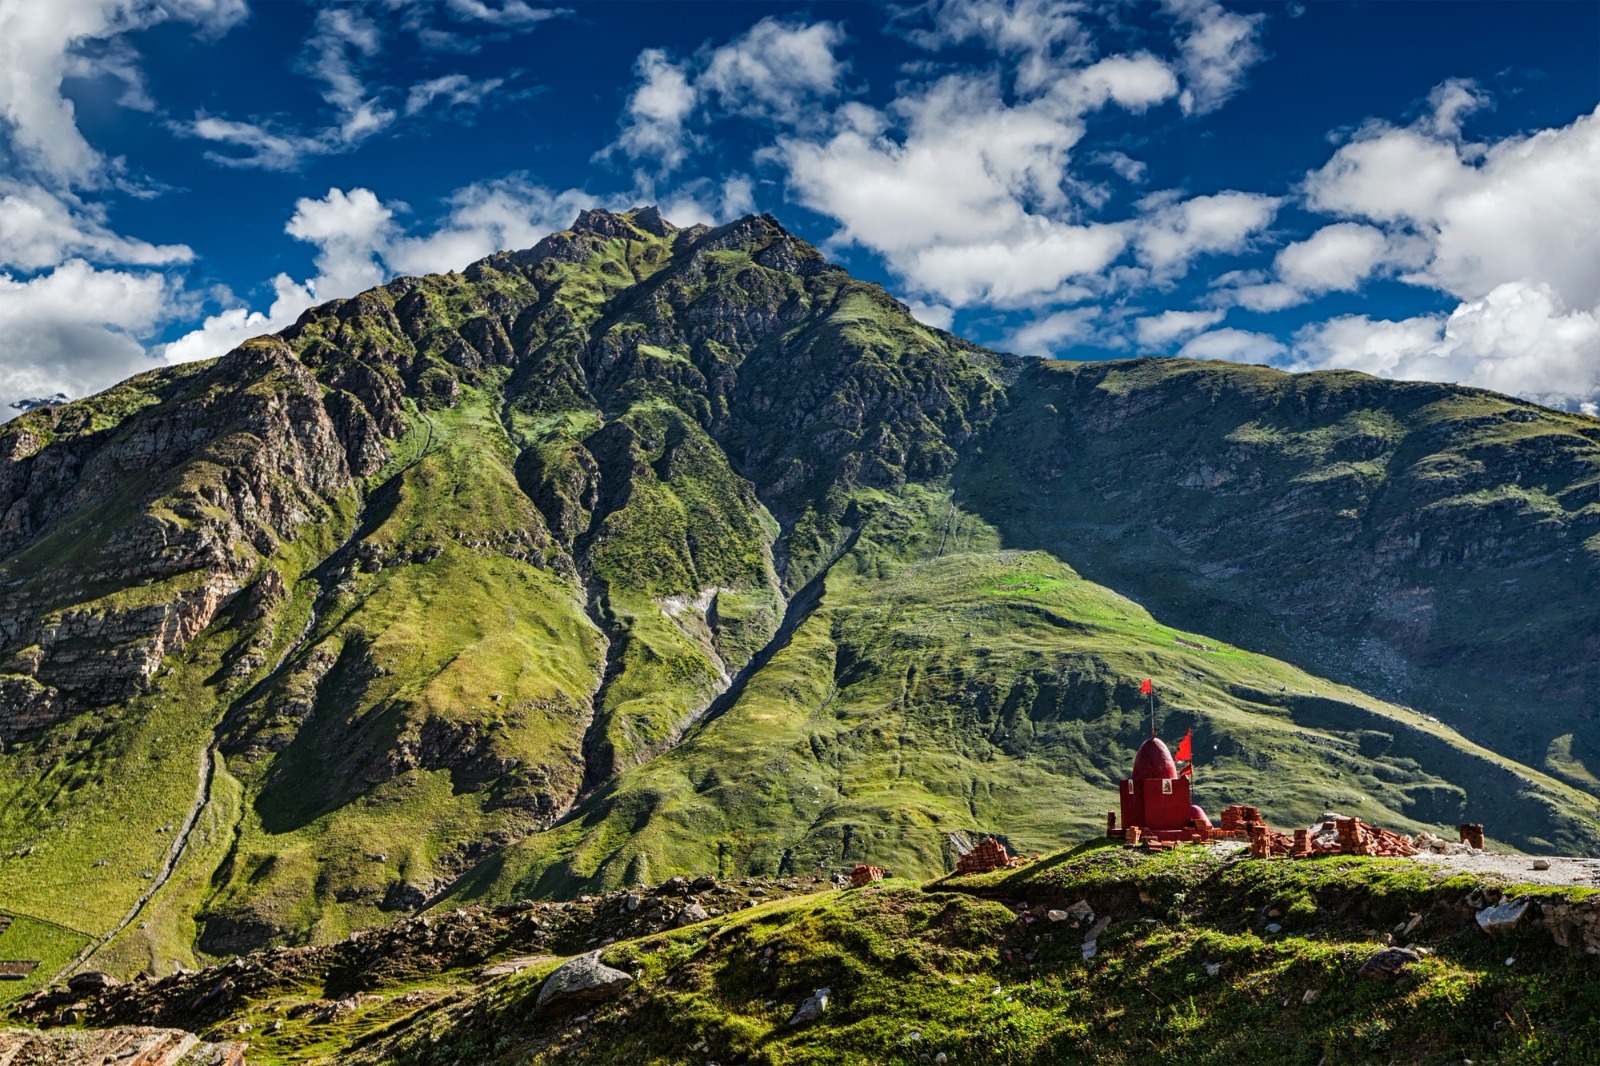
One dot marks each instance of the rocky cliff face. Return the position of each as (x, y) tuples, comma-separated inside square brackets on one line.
[(122, 538), (651, 549)]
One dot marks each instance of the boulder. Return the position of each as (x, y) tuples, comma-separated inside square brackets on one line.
[(1499, 918), (93, 982), (693, 913), (813, 1007), (578, 981)]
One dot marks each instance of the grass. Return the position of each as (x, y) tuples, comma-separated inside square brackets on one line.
[(30, 939)]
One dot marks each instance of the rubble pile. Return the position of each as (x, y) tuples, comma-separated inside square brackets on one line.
[(466, 938), (1427, 842), (1333, 834)]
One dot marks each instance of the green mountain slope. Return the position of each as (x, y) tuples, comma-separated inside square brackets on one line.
[(652, 550)]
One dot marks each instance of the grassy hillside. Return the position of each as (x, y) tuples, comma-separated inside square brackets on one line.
[(1434, 545)]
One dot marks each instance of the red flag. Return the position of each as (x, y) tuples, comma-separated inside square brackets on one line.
[(1185, 751), (1146, 687), (1187, 771)]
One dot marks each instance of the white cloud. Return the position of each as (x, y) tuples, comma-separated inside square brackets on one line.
[(1133, 82), (39, 229), (341, 40), (1218, 48), (1048, 335), (1156, 331), (1129, 169), (1172, 233), (1336, 258), (511, 13), (776, 69), (658, 112), (455, 90), (1517, 339), (939, 316), (960, 202), (1235, 345), (1044, 36), (76, 329), (40, 45), (1509, 228), (361, 244)]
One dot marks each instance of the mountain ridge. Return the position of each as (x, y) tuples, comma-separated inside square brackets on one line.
[(651, 549)]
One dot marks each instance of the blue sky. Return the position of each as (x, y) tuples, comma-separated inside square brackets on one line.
[(1410, 189)]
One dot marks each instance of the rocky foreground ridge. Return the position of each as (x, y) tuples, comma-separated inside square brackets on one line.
[(1068, 958), (654, 551)]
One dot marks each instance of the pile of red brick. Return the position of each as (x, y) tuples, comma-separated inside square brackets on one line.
[(990, 854), (1342, 836), (865, 874)]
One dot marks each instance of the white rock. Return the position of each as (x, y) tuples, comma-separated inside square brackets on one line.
[(1500, 918), (813, 1007)]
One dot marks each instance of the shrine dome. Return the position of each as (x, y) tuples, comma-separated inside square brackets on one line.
[(1154, 762)]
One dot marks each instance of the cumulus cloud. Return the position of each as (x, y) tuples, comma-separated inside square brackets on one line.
[(948, 187), (1509, 228), (1043, 36), (76, 329), (1524, 208), (776, 69), (1219, 46), (1156, 331), (1518, 338), (1173, 232), (657, 113), (1235, 345), (361, 242), (1048, 335), (40, 228)]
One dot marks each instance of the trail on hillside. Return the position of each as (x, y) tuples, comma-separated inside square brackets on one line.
[(208, 766), (207, 774)]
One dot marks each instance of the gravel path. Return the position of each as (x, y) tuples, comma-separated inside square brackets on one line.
[(1563, 870)]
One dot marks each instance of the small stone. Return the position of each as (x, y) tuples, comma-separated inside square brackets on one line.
[(1213, 968), (634, 901), (1387, 964), (813, 1007), (941, 1058), (1541, 864), (1274, 928), (1057, 916), (1311, 996)]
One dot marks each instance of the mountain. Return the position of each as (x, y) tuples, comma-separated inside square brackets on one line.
[(33, 403), (653, 550)]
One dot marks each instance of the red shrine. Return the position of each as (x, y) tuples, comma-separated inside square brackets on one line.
[(1155, 800)]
